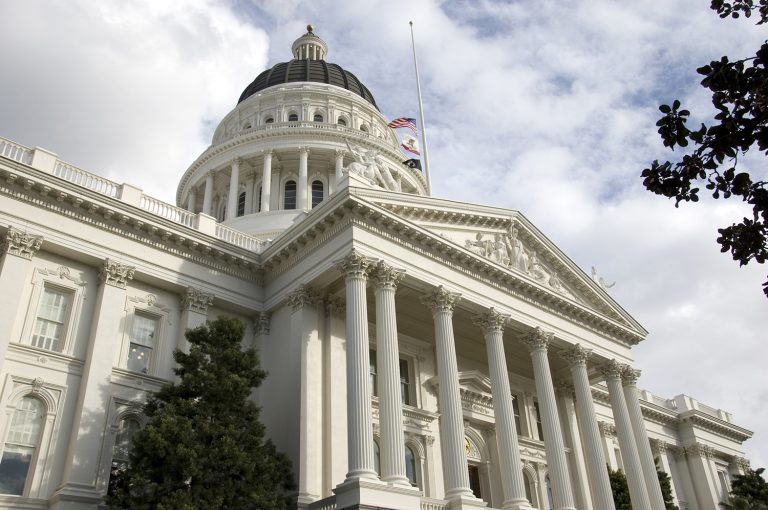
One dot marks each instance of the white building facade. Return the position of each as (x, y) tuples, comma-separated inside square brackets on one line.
[(422, 353)]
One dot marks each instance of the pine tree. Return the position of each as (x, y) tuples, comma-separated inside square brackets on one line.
[(620, 489), (750, 491), (204, 446)]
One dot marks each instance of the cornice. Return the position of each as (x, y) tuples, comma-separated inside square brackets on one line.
[(715, 425), (46, 191)]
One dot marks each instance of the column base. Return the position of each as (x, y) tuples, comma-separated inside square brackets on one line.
[(516, 505), (362, 493), (75, 497), (465, 503)]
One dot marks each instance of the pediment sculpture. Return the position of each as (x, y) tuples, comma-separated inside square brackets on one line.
[(372, 168)]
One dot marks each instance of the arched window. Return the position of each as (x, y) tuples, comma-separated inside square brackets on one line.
[(530, 489), (241, 204), (247, 125), (289, 197), (126, 430), (342, 121), (269, 120), (410, 466), (258, 208), (292, 117), (318, 117), (317, 192), (20, 446), (376, 457), (363, 128)]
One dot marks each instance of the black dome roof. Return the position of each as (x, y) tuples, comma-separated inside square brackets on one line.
[(318, 71)]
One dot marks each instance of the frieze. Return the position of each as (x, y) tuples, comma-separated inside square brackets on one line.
[(20, 243), (476, 402)]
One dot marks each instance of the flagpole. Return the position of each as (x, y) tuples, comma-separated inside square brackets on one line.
[(421, 115)]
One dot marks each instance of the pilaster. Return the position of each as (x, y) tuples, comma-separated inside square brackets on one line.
[(194, 312)]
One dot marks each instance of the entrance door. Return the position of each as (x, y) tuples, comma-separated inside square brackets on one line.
[(474, 481)]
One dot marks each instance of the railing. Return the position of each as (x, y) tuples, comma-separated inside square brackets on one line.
[(168, 211), (708, 410), (86, 179), (238, 238), (14, 151), (433, 504), (328, 503), (303, 124)]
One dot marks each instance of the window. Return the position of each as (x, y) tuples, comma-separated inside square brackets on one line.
[(342, 121), (372, 373), (142, 342), (247, 125), (123, 440), (725, 486), (530, 488), (317, 193), (51, 316), (292, 117), (410, 466), (405, 383), (363, 128), (516, 413), (289, 198), (376, 457), (548, 484), (258, 207), (241, 204), (269, 120), (537, 416), (318, 117), (20, 446)]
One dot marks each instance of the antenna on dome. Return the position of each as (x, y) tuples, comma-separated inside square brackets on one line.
[(421, 115)]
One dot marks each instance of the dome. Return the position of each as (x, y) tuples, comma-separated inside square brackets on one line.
[(308, 65)]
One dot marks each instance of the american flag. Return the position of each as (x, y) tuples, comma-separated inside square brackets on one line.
[(403, 122)]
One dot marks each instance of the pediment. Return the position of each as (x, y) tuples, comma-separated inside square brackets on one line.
[(475, 382), (510, 244)]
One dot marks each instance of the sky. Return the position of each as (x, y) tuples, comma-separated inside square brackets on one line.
[(545, 107)]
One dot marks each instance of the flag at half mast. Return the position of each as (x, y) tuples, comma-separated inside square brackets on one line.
[(403, 122)]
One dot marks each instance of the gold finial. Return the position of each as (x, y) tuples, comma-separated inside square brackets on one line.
[(309, 29)]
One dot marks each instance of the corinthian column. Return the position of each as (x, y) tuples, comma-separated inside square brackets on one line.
[(234, 180), (585, 411), (301, 198), (338, 166), (629, 377), (208, 193), (442, 303), (355, 268), (637, 488), (388, 359), (513, 485), (266, 181), (538, 343)]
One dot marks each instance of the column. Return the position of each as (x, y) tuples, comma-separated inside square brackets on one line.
[(18, 248), (571, 434), (339, 163), (305, 339), (355, 268), (638, 491), (537, 342), (266, 181), (492, 325), (194, 313), (659, 450), (392, 453), (249, 193), (208, 194), (234, 183), (705, 482), (599, 483), (192, 199), (82, 462), (686, 494), (301, 195), (629, 377), (442, 303)]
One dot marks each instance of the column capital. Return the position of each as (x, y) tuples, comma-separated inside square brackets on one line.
[(339, 152), (576, 355), (612, 369), (386, 276), (267, 152), (19, 243), (537, 340), (699, 449), (261, 323), (441, 300), (115, 274), (303, 296), (742, 463), (236, 161), (629, 375), (354, 265), (195, 300), (658, 447), (607, 429), (304, 149), (490, 320), (210, 173), (565, 388), (335, 305)]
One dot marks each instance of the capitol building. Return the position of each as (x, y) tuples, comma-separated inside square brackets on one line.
[(423, 353)]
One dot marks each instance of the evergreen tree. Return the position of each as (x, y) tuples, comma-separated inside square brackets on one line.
[(620, 489), (204, 446), (666, 487), (750, 491)]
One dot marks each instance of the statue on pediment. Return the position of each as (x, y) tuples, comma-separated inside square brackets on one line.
[(480, 246), (600, 280), (370, 166)]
